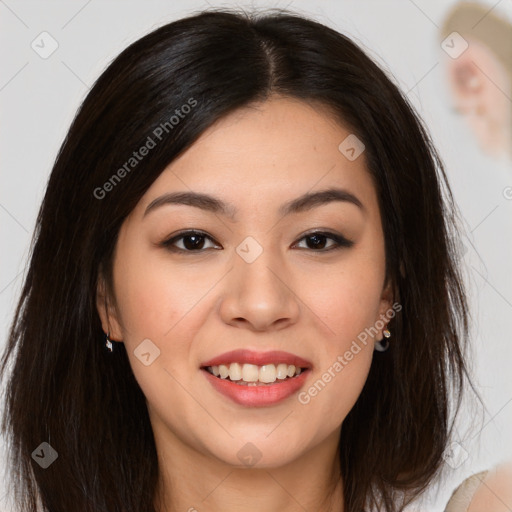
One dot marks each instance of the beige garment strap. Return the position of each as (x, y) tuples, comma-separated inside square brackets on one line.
[(462, 496)]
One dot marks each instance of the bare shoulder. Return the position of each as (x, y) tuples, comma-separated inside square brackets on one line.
[(494, 494)]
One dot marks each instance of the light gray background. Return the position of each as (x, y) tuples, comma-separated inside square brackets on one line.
[(39, 98)]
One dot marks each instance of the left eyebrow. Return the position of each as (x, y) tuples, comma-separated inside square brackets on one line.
[(314, 199), (215, 205)]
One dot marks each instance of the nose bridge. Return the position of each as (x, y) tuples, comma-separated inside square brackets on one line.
[(257, 291), (258, 266)]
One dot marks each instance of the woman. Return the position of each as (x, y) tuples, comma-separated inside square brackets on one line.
[(243, 290)]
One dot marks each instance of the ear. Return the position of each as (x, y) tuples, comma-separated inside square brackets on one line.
[(386, 311), (478, 83), (466, 82), (473, 76), (107, 311)]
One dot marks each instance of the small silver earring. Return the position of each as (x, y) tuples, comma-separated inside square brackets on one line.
[(379, 345), (108, 342)]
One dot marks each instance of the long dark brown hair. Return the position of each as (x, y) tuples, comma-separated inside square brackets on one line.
[(64, 388)]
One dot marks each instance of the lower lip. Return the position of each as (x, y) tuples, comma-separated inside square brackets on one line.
[(257, 396)]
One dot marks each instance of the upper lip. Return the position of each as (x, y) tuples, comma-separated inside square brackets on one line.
[(258, 358)]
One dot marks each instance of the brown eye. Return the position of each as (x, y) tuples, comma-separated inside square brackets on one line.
[(194, 241), (191, 241), (317, 241)]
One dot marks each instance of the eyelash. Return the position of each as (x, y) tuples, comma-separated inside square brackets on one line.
[(340, 241)]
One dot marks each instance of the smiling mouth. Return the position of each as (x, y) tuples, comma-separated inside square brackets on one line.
[(253, 375)]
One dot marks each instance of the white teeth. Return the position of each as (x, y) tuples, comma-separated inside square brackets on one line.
[(282, 371), (268, 373), (235, 371), (252, 373)]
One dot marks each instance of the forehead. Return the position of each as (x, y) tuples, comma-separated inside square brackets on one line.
[(265, 153)]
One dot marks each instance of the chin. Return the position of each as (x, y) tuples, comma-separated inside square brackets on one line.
[(258, 452)]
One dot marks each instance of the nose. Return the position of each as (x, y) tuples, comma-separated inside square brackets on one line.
[(259, 295)]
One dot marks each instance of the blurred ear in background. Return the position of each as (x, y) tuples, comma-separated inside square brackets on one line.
[(479, 73)]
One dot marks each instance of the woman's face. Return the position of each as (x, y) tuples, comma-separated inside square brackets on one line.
[(253, 279)]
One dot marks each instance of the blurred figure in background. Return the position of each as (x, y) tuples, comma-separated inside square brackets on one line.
[(488, 491), (479, 72), (478, 46)]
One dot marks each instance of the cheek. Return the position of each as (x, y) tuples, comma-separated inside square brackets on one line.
[(166, 304), (156, 303), (348, 305), (336, 385), (152, 295), (348, 302), (350, 312), (345, 355)]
